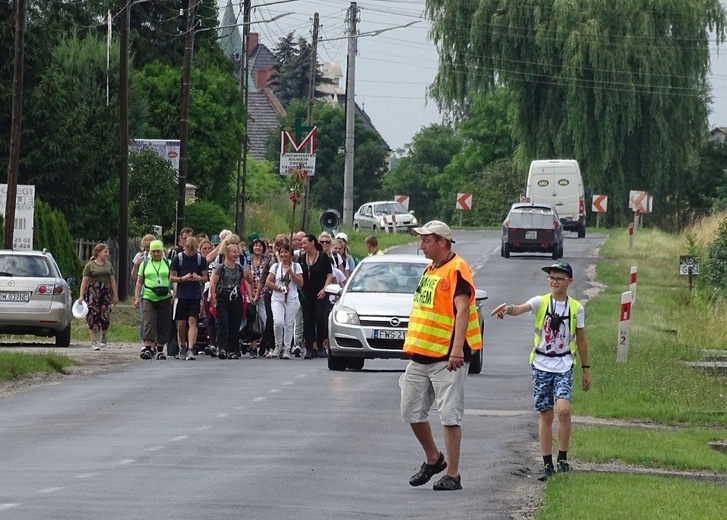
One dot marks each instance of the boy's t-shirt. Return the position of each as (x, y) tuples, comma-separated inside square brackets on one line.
[(557, 342), (190, 264)]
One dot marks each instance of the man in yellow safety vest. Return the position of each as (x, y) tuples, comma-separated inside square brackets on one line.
[(443, 332)]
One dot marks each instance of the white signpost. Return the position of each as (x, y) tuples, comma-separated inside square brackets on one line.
[(632, 283), (24, 215), (624, 325)]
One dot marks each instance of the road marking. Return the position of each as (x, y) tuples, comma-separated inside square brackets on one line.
[(498, 413), (50, 489), (258, 399), (180, 438), (288, 383), (156, 448), (300, 376), (5, 507), (238, 408), (204, 427), (125, 462), (223, 415), (87, 475), (274, 390)]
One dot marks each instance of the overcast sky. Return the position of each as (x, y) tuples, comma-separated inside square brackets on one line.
[(394, 69)]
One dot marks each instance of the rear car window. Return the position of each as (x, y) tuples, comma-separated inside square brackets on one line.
[(24, 266), (532, 218)]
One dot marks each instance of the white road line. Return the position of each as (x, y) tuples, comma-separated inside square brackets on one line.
[(300, 376), (87, 475), (238, 408), (5, 507), (125, 462), (156, 448), (207, 427), (288, 383), (50, 489), (258, 399), (180, 438), (274, 390), (223, 415)]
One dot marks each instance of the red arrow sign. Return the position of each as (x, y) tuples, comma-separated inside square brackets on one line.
[(600, 203), (464, 201)]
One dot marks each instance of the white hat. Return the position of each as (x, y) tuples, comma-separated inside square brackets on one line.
[(79, 309), (435, 227), (342, 236)]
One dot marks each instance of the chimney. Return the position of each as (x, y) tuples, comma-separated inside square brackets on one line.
[(252, 43)]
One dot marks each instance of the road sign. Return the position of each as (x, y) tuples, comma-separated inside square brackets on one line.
[(24, 214), (464, 201), (624, 325), (403, 200), (600, 203), (685, 262), (303, 156), (639, 201), (305, 162)]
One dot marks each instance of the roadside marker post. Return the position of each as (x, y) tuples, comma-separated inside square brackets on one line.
[(464, 203), (632, 284), (599, 204), (624, 325), (631, 235)]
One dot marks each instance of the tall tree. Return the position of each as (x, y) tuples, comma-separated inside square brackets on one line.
[(620, 85), (293, 70)]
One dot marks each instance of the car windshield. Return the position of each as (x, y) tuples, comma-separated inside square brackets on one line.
[(390, 208), (24, 266), (386, 277)]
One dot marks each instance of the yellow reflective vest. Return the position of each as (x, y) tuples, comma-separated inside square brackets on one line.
[(431, 324), (573, 307)]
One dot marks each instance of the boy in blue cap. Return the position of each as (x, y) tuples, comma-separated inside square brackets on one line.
[(559, 337)]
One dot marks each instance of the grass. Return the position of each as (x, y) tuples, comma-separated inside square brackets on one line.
[(124, 325), (14, 365), (611, 496)]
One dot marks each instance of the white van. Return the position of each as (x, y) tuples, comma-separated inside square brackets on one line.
[(558, 182)]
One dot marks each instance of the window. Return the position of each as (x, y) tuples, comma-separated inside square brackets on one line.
[(24, 266)]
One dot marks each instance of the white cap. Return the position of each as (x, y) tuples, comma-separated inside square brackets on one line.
[(342, 236), (79, 309), (435, 227)]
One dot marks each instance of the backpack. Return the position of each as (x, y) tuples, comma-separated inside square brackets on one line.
[(180, 258)]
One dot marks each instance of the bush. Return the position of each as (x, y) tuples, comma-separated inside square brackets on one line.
[(206, 217), (50, 231), (715, 265)]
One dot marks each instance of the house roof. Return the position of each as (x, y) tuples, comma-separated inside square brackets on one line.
[(366, 120), (263, 110)]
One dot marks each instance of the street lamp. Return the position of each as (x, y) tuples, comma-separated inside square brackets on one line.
[(184, 106)]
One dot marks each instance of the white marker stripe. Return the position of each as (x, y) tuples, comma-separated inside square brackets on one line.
[(125, 462), (274, 390), (207, 427), (299, 376), (87, 475), (258, 399), (288, 383), (223, 415), (180, 438), (156, 448), (238, 408), (51, 489), (5, 507)]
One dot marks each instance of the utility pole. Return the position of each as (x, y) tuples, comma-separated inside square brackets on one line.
[(184, 117), (123, 241), (309, 118), (350, 117), (14, 159), (244, 88)]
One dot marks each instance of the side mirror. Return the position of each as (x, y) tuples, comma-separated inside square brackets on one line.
[(71, 280), (411, 212), (587, 193), (334, 289), (480, 295)]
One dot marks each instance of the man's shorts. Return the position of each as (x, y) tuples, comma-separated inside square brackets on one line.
[(424, 385), (184, 309), (549, 386)]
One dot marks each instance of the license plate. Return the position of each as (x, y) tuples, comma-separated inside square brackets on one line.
[(389, 334), (22, 297), (531, 235)]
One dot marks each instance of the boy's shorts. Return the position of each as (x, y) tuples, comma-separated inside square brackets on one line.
[(549, 386)]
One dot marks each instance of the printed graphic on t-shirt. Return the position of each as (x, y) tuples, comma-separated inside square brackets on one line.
[(555, 340)]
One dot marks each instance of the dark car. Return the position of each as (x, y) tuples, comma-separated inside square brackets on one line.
[(532, 228)]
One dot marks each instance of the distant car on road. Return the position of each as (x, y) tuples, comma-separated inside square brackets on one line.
[(34, 297), (532, 228), (385, 215), (371, 316)]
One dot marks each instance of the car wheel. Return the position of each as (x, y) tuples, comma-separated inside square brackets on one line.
[(355, 363), (63, 338), (560, 251), (502, 251), (356, 227), (374, 228), (336, 363), (555, 251), (506, 251), (581, 231), (476, 363)]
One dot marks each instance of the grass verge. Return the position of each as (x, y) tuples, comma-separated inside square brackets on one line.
[(14, 365)]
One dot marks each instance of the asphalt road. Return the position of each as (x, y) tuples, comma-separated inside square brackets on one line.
[(279, 439)]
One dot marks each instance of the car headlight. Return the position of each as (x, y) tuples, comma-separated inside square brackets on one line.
[(346, 316), (414, 221)]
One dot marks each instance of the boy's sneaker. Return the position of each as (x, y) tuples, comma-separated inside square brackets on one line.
[(253, 353), (145, 353), (190, 355), (182, 352), (94, 346), (564, 467), (211, 350), (276, 351), (286, 353), (268, 353), (222, 354), (297, 350), (103, 340), (545, 473), (161, 355)]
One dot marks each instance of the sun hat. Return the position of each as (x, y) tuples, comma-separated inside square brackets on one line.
[(560, 266), (435, 227), (342, 236), (79, 309), (156, 245)]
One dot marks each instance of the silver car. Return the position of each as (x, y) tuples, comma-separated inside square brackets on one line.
[(34, 298), (384, 215), (371, 316)]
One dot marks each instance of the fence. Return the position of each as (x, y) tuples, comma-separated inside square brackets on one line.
[(84, 250)]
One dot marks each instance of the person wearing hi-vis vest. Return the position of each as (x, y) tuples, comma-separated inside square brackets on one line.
[(443, 331), (153, 291), (560, 336)]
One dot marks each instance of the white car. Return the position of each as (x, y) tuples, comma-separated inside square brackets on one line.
[(371, 316), (384, 215)]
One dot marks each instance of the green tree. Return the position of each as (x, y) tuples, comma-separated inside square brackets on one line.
[(292, 73), (152, 193), (621, 86), (50, 231), (207, 217)]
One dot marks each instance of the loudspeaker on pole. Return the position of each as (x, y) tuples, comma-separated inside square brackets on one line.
[(330, 221)]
